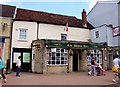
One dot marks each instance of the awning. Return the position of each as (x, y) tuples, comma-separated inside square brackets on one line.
[(2, 39)]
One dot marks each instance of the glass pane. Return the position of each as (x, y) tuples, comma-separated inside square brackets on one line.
[(57, 62), (53, 58), (26, 57), (57, 50), (53, 54), (62, 62), (62, 50), (58, 54), (62, 58), (53, 62)]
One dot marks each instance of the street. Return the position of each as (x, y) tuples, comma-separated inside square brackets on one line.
[(74, 78)]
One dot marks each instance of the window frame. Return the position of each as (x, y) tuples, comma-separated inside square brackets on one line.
[(22, 34), (58, 55), (93, 53), (63, 37), (97, 34)]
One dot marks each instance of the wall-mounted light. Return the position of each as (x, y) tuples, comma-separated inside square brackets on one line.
[(4, 25)]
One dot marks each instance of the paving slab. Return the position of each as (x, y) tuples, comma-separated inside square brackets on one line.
[(74, 78)]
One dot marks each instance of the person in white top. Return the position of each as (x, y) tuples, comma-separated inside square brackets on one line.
[(18, 66), (116, 64)]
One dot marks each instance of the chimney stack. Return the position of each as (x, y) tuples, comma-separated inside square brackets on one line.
[(84, 21)]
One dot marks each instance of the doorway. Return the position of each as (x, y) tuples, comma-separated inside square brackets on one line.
[(25, 60), (110, 60), (75, 62)]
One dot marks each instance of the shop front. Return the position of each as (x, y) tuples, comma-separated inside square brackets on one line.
[(55, 56), (111, 54), (25, 53)]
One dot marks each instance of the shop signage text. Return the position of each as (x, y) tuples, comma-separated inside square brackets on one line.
[(72, 45)]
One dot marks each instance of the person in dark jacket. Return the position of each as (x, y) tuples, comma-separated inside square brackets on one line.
[(93, 66)]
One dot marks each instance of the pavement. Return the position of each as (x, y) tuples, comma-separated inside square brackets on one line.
[(74, 78)]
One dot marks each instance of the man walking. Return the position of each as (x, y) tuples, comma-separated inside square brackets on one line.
[(116, 65), (18, 66)]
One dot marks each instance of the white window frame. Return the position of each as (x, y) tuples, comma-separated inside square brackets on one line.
[(61, 58), (64, 35), (93, 54), (97, 34), (24, 35)]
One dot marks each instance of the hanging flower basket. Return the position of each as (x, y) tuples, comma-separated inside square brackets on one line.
[(88, 52), (70, 52)]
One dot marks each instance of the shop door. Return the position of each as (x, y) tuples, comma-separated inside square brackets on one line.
[(109, 60), (75, 62), (25, 60)]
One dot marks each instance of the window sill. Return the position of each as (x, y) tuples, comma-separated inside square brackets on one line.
[(23, 40), (56, 65)]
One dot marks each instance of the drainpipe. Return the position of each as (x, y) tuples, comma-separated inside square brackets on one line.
[(37, 30), (10, 49)]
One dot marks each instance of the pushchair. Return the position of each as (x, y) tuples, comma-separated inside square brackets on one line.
[(100, 71)]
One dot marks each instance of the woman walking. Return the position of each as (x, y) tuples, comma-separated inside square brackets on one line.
[(2, 69)]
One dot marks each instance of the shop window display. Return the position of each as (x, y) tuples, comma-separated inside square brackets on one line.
[(95, 53), (57, 56)]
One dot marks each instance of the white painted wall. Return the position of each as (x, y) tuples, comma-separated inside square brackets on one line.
[(31, 33), (103, 13), (105, 35), (118, 14), (49, 31), (102, 34), (46, 31)]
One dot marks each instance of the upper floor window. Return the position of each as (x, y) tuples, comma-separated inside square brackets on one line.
[(63, 36), (22, 34), (96, 34)]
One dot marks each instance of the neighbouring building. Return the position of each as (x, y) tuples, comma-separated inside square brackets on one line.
[(6, 16), (52, 43), (105, 18)]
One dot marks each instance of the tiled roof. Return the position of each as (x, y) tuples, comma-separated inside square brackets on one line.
[(7, 11), (50, 18)]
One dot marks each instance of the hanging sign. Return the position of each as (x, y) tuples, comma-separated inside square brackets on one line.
[(116, 31)]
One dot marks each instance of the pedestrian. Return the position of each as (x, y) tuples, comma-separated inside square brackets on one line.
[(116, 65), (2, 70), (93, 67), (94, 64), (18, 66)]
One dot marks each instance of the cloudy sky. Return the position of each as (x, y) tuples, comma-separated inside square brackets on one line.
[(64, 7)]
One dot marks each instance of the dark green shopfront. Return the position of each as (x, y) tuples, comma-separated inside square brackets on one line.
[(56, 56)]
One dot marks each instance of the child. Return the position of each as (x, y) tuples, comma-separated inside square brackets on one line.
[(101, 70)]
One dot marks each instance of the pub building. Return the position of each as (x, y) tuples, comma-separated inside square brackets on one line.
[(57, 56)]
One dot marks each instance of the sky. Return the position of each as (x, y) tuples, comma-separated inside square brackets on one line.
[(63, 7)]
